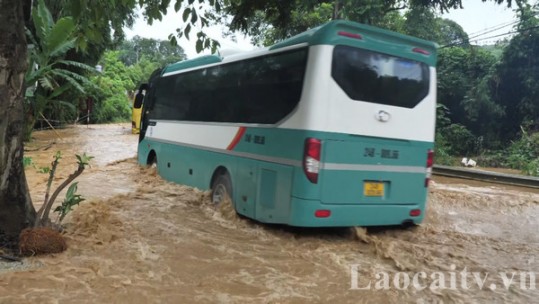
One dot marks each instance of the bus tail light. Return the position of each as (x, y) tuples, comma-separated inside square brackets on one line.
[(322, 213), (430, 163), (350, 35), (415, 212), (311, 159), (420, 51)]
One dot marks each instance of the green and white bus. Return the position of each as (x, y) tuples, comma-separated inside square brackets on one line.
[(332, 127)]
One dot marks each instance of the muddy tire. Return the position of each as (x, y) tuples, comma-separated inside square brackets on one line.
[(221, 189), (152, 160)]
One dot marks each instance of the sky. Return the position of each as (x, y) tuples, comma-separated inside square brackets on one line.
[(476, 18)]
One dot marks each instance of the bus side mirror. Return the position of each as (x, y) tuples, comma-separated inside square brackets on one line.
[(138, 100)]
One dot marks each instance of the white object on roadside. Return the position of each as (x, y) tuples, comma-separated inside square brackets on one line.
[(468, 162)]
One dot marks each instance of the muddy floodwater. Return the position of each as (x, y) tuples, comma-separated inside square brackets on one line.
[(140, 239)]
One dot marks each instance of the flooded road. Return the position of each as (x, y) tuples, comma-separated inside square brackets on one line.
[(140, 239)]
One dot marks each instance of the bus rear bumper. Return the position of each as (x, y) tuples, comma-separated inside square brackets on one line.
[(303, 214)]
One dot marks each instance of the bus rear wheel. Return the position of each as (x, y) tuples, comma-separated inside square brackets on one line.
[(221, 189)]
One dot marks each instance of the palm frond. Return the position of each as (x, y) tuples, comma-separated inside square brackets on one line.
[(39, 25), (45, 14), (68, 76), (59, 91), (43, 21), (77, 64), (80, 78), (33, 75), (56, 102), (62, 48), (47, 83), (60, 40), (32, 39)]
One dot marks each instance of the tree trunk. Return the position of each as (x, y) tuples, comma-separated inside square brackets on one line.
[(336, 10), (16, 209)]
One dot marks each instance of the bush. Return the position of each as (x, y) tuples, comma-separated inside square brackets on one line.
[(442, 151), (523, 154), (113, 109), (461, 139), (111, 102), (493, 159)]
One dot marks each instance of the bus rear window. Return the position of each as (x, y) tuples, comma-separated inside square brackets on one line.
[(375, 77)]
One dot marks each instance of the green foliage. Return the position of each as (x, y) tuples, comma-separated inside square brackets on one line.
[(496, 49), (113, 106), (83, 160), (270, 21), (523, 154), (44, 170), (156, 51), (263, 32), (442, 151), (494, 159), (461, 139), (100, 23), (27, 162), (463, 87), (442, 147), (450, 33), (143, 70), (194, 15), (515, 82), (451, 139), (72, 199), (50, 74), (422, 22), (111, 101)]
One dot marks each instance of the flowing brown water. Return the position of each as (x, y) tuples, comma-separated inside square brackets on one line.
[(139, 239)]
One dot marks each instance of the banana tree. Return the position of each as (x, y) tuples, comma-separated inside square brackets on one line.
[(50, 75)]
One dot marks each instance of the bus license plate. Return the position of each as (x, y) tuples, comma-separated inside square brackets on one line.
[(373, 189)]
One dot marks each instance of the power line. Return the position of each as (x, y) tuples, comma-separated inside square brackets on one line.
[(508, 33), (501, 25), (473, 36), (495, 36), (492, 29)]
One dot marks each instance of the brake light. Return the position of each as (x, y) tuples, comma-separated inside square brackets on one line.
[(415, 212), (322, 213), (350, 35), (311, 159), (430, 163), (420, 51)]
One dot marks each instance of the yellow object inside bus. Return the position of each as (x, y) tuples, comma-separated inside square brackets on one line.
[(135, 120), (137, 109)]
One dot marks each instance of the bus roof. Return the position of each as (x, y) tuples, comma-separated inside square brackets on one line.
[(350, 33), (340, 32), (191, 63)]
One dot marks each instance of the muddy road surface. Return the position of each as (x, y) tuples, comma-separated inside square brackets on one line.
[(140, 239)]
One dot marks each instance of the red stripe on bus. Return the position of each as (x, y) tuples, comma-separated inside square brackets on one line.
[(237, 138)]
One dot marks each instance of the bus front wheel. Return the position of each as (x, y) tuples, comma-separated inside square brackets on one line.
[(221, 189), (152, 160)]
